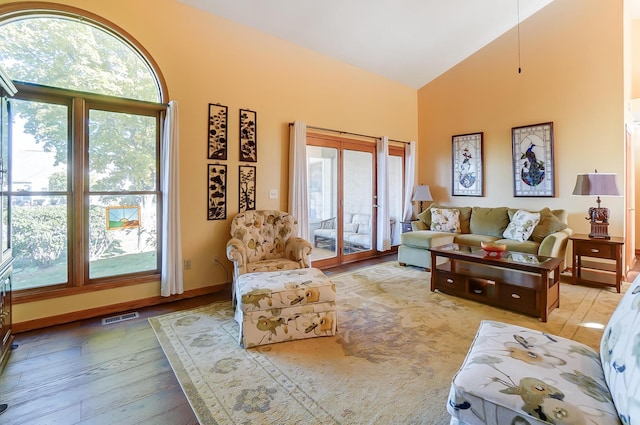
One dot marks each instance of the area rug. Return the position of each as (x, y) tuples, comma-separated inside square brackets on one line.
[(397, 348)]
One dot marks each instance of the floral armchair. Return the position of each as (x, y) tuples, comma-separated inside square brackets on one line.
[(266, 240)]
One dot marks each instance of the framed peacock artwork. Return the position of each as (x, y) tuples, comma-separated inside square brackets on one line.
[(467, 173), (533, 167)]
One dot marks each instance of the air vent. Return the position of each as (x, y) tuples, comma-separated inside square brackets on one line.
[(120, 318)]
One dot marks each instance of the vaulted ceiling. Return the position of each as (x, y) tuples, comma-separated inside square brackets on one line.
[(409, 41)]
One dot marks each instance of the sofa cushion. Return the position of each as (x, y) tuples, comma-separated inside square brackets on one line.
[(364, 229), (515, 375), (425, 239), (521, 225), (620, 355), (465, 217), (489, 221), (530, 247), (350, 227), (471, 239), (550, 222), (445, 220), (425, 216)]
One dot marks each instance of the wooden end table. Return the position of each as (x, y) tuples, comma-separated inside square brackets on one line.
[(607, 273)]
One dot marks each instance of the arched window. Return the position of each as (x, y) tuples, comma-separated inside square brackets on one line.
[(84, 186)]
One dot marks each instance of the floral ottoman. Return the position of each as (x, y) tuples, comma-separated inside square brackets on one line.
[(515, 375), (284, 306)]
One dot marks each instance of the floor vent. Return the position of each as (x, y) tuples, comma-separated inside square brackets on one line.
[(120, 318)]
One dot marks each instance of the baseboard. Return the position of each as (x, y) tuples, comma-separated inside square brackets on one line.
[(111, 309)]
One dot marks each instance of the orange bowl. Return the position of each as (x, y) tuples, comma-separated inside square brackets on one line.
[(493, 247)]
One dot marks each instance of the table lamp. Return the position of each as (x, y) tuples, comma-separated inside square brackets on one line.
[(597, 184), (422, 194)]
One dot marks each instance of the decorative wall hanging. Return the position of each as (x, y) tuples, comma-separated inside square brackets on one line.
[(123, 217), (467, 173), (533, 168), (247, 188), (248, 136), (217, 184), (217, 131)]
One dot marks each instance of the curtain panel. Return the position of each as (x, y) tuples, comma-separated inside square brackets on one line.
[(171, 281)]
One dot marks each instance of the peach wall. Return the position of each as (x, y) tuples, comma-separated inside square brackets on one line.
[(572, 75), (207, 59)]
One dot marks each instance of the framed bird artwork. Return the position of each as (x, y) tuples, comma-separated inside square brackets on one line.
[(533, 167)]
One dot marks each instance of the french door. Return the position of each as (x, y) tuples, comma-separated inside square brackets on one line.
[(342, 214)]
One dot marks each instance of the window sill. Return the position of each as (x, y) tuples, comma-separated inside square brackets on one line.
[(49, 292)]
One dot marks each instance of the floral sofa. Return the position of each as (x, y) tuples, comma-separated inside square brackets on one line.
[(515, 375), (543, 232)]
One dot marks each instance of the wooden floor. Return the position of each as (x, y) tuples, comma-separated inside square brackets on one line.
[(89, 373)]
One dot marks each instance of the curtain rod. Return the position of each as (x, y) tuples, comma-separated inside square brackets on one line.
[(349, 133)]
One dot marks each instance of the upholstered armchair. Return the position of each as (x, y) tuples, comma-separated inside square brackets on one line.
[(266, 240)]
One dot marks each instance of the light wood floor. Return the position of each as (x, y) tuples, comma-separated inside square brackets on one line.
[(89, 373)]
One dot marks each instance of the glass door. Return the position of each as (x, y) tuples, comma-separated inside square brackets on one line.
[(358, 212), (341, 199)]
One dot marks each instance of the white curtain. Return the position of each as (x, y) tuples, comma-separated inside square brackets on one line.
[(298, 193), (171, 280), (384, 228), (409, 178)]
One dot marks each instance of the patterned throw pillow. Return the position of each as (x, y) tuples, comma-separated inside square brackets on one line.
[(445, 220), (521, 225)]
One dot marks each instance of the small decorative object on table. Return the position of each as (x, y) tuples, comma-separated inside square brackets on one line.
[(597, 184), (492, 248)]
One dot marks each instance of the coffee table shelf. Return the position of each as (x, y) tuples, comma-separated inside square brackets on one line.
[(525, 283)]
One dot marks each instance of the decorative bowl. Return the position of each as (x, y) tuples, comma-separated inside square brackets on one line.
[(492, 248)]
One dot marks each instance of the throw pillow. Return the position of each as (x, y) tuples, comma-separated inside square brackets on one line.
[(445, 220), (489, 221), (425, 216), (549, 223), (521, 225), (350, 227)]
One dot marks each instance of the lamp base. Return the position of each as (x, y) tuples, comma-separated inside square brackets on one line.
[(599, 231), (599, 218)]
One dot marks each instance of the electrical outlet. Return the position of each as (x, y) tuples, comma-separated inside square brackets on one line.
[(273, 193), (187, 264)]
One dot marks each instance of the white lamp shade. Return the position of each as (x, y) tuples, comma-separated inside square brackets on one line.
[(422, 193)]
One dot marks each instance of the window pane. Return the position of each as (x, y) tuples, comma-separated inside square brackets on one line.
[(71, 54), (122, 152), (40, 147), (122, 235), (39, 237), (358, 196), (39, 228), (322, 169)]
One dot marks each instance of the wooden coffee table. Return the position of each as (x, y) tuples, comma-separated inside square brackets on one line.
[(526, 283)]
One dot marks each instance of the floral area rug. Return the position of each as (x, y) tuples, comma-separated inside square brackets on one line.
[(398, 346)]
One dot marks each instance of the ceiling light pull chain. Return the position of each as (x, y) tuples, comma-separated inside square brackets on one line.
[(519, 68)]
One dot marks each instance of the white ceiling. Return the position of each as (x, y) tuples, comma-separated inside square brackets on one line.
[(409, 41)]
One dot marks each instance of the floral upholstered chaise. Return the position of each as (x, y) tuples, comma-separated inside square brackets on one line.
[(517, 376)]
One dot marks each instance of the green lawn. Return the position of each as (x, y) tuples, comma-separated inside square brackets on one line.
[(33, 277)]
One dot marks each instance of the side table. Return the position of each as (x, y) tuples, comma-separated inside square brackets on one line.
[(406, 227), (603, 249)]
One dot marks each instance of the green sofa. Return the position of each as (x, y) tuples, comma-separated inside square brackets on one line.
[(482, 224)]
